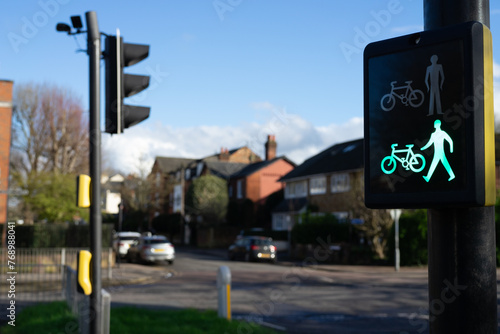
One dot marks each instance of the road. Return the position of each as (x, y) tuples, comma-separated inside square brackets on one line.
[(289, 298)]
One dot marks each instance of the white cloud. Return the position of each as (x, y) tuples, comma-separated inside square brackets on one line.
[(496, 70), (297, 138)]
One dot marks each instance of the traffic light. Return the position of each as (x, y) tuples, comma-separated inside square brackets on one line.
[(83, 280), (83, 185), (118, 55)]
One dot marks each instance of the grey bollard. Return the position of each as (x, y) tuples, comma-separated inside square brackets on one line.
[(224, 292)]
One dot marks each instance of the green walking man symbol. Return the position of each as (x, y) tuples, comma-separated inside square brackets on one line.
[(437, 139)]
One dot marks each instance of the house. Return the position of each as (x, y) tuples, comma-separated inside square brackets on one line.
[(171, 177), (325, 183), (256, 182), (111, 193)]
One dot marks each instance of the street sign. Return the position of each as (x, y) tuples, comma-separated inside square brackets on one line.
[(429, 124)]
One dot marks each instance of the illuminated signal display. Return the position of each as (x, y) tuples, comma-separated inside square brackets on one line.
[(429, 138)]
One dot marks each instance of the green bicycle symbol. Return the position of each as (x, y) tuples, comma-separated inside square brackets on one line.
[(415, 162)]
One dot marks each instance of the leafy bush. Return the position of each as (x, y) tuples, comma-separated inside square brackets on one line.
[(412, 238)]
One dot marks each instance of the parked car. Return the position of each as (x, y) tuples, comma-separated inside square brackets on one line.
[(122, 242), (253, 248), (151, 249)]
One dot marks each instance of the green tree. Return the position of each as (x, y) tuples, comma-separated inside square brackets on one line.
[(207, 197), (53, 196)]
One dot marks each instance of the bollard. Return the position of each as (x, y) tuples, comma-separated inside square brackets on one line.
[(224, 292)]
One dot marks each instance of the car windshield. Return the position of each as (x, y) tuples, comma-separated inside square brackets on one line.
[(127, 238), (155, 241), (261, 242)]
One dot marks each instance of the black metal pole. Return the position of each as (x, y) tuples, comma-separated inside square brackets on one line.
[(94, 52), (462, 253)]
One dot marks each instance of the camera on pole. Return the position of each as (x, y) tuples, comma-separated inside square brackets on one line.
[(119, 85)]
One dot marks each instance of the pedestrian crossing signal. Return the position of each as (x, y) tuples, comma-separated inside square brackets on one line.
[(429, 123)]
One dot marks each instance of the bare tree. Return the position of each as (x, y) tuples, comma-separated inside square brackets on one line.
[(377, 222), (50, 132)]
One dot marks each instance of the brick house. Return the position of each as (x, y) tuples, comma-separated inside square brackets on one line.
[(5, 139), (256, 182), (323, 183)]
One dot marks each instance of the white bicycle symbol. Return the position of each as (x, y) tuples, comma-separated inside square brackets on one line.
[(406, 94)]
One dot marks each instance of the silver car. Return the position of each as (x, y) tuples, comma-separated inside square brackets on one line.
[(152, 249)]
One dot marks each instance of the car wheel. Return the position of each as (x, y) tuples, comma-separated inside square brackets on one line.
[(171, 262), (247, 257), (231, 256)]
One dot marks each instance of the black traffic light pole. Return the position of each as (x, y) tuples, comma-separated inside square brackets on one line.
[(94, 52), (462, 260)]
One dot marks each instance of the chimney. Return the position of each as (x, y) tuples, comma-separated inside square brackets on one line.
[(224, 154), (271, 147)]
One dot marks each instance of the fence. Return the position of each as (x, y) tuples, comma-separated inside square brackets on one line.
[(48, 274), (40, 272)]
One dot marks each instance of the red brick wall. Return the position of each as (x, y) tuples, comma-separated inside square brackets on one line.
[(5, 137), (270, 175)]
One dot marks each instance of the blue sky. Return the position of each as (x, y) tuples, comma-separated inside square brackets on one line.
[(224, 73)]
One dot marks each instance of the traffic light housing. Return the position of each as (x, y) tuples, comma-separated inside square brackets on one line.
[(83, 279), (83, 184), (429, 121), (119, 86)]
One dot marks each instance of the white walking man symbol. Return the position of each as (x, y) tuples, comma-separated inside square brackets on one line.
[(437, 139), (435, 75)]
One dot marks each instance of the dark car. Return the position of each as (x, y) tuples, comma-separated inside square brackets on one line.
[(253, 249)]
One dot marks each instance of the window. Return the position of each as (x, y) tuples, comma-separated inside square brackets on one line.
[(281, 222), (340, 183), (230, 191), (158, 179), (317, 185), (239, 189), (296, 189), (199, 168), (188, 174)]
